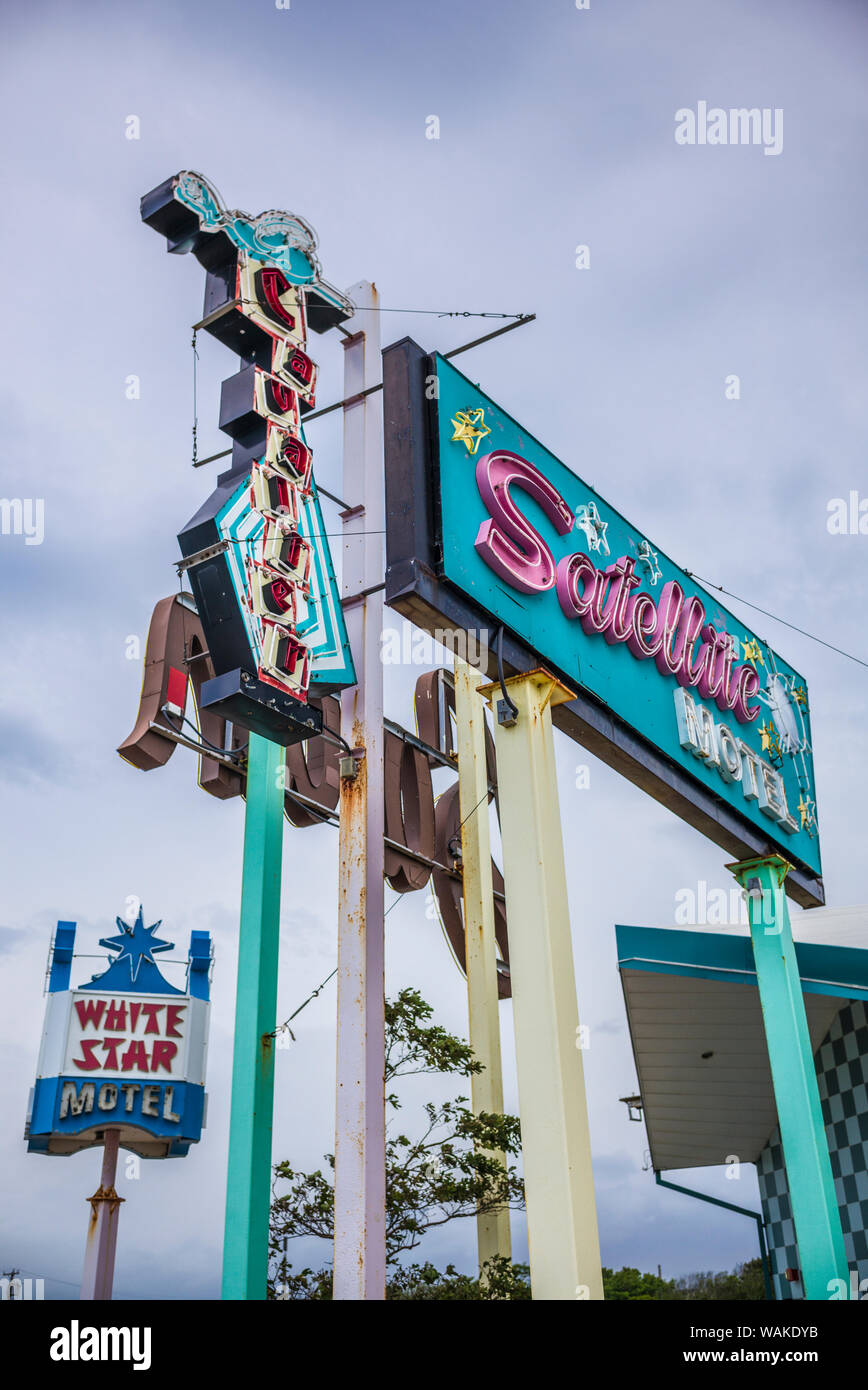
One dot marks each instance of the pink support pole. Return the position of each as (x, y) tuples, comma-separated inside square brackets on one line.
[(102, 1231), (360, 1121)]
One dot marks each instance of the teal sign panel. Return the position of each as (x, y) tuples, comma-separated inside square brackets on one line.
[(539, 550)]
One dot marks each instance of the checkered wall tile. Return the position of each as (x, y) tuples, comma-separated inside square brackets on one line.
[(842, 1076)]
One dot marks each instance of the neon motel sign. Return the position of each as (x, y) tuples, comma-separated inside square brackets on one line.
[(127, 1049), (487, 528), (257, 552), (673, 632)]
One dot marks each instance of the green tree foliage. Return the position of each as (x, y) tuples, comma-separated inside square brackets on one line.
[(745, 1283), (420, 1283), (628, 1285), (443, 1172)]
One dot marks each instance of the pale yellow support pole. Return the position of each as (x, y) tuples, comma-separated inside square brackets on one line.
[(492, 1228), (561, 1210)]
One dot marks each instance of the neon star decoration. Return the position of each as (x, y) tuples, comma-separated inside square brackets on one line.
[(134, 966), (647, 558), (588, 519), (470, 427), (790, 722), (800, 695), (771, 742), (753, 652), (808, 813)]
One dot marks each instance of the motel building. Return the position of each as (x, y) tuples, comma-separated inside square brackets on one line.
[(705, 1087)]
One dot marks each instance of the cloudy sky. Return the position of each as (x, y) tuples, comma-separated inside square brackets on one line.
[(556, 130)]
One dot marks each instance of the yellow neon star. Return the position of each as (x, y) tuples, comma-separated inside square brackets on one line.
[(800, 695), (806, 811), (753, 652), (470, 427), (771, 741)]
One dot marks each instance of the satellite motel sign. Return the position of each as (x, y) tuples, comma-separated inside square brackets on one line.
[(486, 527)]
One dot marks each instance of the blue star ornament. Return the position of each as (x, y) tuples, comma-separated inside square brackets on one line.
[(134, 966)]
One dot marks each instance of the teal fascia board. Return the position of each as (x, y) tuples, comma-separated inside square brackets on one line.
[(840, 971)]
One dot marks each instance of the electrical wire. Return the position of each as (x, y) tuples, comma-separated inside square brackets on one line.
[(195, 398), (484, 797), (331, 737), (103, 955), (280, 1027), (510, 704), (775, 619), (48, 1278), (440, 313), (488, 314), (305, 806), (204, 746)]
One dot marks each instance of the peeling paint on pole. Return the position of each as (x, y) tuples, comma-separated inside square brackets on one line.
[(563, 1240), (102, 1229), (360, 1121), (492, 1228)]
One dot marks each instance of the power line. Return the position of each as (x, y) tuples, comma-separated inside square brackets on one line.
[(48, 1278), (775, 619), (517, 321), (280, 1027), (441, 313), (382, 309)]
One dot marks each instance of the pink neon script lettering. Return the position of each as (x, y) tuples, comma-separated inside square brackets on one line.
[(677, 628), (642, 620), (666, 631), (601, 606), (508, 543)]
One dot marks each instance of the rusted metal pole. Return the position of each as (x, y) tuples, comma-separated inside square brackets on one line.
[(555, 1137), (492, 1228), (102, 1230), (360, 1138)]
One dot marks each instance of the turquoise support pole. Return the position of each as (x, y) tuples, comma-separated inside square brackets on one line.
[(816, 1216), (248, 1190)]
